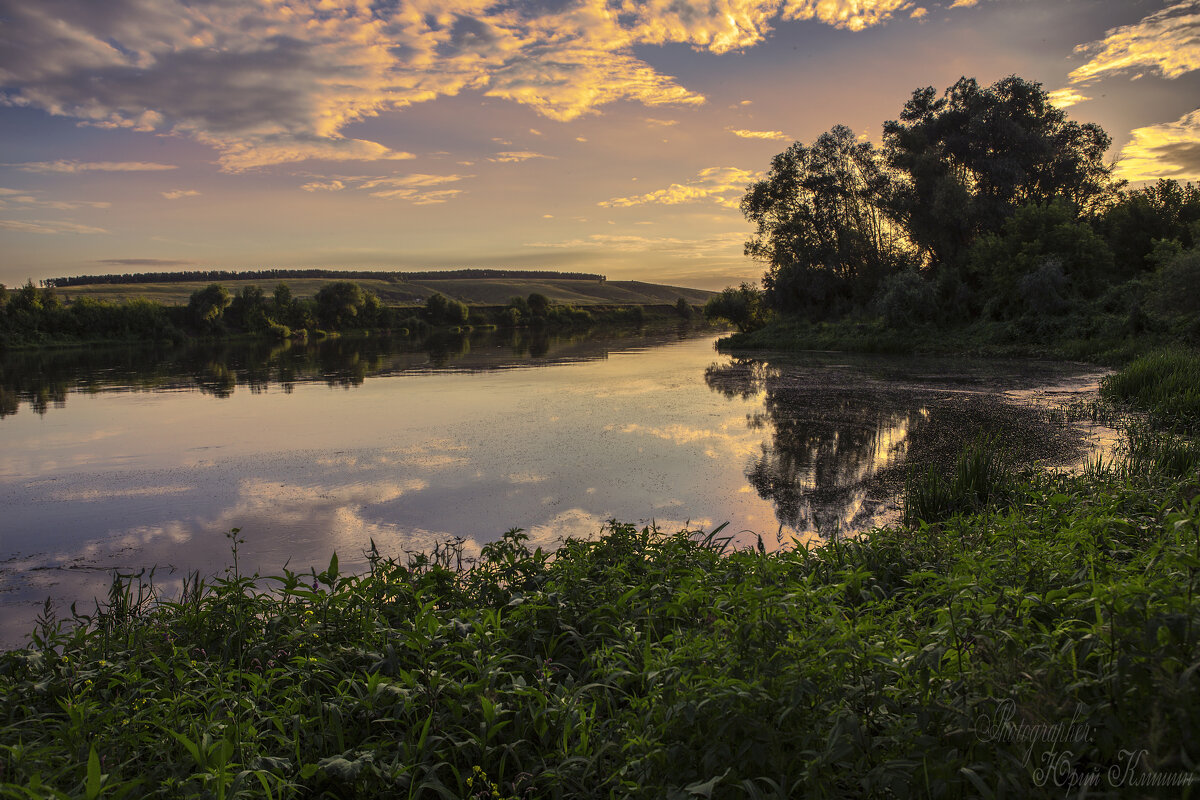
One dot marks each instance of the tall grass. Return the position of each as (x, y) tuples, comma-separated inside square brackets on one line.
[(1165, 383), (981, 478)]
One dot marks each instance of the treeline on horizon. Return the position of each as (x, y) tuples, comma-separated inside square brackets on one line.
[(32, 316), (279, 274), (983, 208)]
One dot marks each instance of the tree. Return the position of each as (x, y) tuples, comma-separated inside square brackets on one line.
[(1040, 262), (539, 304), (971, 157), (743, 306), (248, 309), (207, 305), (441, 310), (1164, 211), (821, 226), (339, 303)]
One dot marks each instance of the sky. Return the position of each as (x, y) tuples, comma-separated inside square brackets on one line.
[(610, 136)]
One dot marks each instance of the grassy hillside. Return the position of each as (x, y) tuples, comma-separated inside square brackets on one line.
[(472, 291)]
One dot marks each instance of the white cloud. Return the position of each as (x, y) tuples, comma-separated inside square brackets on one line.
[(722, 185), (269, 82), (1166, 42), (179, 194), (1169, 150)]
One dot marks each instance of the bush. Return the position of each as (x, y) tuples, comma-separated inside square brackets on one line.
[(905, 299)]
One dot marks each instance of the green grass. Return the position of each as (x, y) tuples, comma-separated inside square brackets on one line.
[(981, 479), (1165, 383), (474, 291), (1014, 649)]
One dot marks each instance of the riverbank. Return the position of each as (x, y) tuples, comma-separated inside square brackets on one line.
[(1104, 341), (1042, 640)]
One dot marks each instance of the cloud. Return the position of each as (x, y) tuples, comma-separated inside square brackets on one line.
[(273, 82), (179, 194), (661, 123), (722, 185), (722, 245), (1166, 43), (417, 188), (964, 3), (1065, 98), (854, 15), (919, 12), (27, 199), (1169, 150), (327, 186), (144, 262), (47, 226), (514, 157), (742, 133), (91, 166)]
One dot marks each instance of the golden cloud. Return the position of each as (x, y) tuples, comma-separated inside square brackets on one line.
[(1166, 42), (179, 194), (722, 185), (742, 133), (852, 15), (1065, 98), (268, 82), (1169, 150)]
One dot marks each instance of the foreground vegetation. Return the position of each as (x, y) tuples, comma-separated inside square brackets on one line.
[(1025, 634)]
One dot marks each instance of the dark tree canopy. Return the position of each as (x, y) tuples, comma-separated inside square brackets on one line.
[(974, 155), (821, 228)]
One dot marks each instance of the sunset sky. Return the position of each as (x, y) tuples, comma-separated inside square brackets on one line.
[(607, 136)]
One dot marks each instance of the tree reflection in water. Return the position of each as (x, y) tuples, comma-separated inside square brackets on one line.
[(841, 439)]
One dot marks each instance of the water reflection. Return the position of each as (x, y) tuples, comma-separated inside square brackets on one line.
[(43, 379), (841, 434)]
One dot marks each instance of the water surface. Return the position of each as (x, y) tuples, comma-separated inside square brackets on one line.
[(139, 458)]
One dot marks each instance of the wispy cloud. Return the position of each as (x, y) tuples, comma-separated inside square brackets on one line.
[(272, 82), (143, 262), (720, 246), (722, 185), (516, 156), (1166, 43), (323, 186), (1169, 150), (417, 188), (91, 166), (29, 199), (47, 227), (1065, 98), (179, 194), (742, 133)]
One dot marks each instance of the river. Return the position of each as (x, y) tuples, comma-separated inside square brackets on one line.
[(134, 458)]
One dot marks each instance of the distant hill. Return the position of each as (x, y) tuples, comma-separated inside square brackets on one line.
[(473, 287)]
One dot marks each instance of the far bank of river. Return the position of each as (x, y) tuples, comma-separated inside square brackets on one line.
[(136, 458)]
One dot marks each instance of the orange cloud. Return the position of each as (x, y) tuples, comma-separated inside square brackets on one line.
[(1065, 98), (745, 134), (721, 185), (269, 82)]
